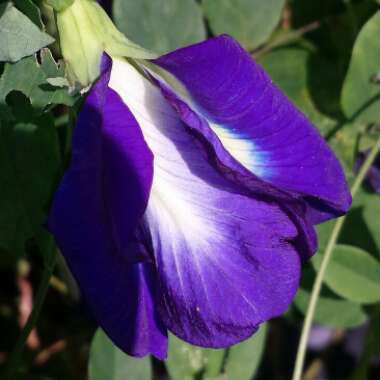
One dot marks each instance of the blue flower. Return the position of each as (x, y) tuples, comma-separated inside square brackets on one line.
[(191, 198)]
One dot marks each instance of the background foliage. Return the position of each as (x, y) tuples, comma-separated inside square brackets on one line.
[(324, 54)]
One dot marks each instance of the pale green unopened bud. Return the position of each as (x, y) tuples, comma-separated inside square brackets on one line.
[(85, 32)]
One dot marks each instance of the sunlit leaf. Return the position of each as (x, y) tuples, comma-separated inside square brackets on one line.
[(352, 273), (20, 37), (331, 311), (30, 78), (251, 22), (107, 362), (361, 93), (186, 362), (160, 25), (243, 359)]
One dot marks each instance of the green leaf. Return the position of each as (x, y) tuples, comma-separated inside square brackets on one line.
[(244, 358), (58, 82), (29, 167), (331, 311), (31, 10), (186, 362), (214, 363), (59, 5), (20, 37), (251, 22), (352, 273), (359, 229), (107, 362), (30, 78), (160, 25), (360, 94)]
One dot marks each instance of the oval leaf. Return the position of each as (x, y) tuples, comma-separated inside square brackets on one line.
[(187, 362), (251, 22), (108, 362), (30, 77), (361, 95), (243, 359), (160, 25), (352, 273), (330, 311)]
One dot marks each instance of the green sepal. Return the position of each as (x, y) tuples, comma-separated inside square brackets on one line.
[(85, 32), (59, 5)]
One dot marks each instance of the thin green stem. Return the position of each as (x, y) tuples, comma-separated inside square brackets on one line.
[(300, 359), (285, 39), (33, 317)]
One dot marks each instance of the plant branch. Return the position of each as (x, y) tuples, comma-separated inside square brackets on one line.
[(285, 39), (301, 353)]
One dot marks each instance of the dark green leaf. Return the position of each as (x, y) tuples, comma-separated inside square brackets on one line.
[(186, 362), (30, 78), (361, 95), (361, 223), (352, 273), (243, 359), (107, 362), (160, 25), (31, 10), (331, 311), (251, 22), (20, 37), (29, 167)]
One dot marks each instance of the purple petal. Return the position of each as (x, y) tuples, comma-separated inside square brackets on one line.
[(257, 124), (306, 242), (373, 175), (94, 216), (225, 259)]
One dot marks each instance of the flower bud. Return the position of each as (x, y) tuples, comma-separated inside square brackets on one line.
[(85, 32)]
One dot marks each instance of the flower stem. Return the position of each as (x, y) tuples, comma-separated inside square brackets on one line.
[(33, 317), (300, 359)]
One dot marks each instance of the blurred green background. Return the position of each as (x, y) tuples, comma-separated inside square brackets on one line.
[(325, 55)]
